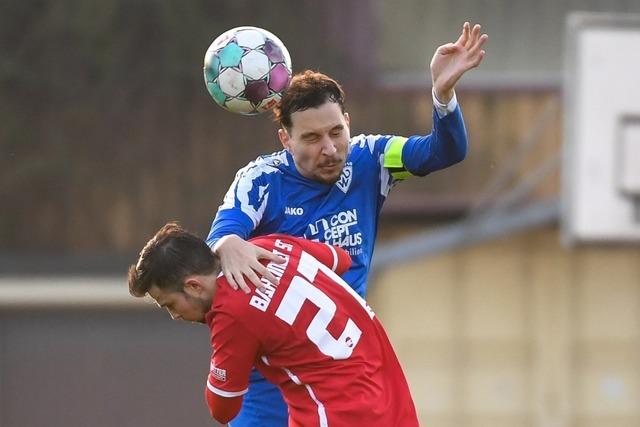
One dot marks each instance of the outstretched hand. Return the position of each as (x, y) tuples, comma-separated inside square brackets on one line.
[(240, 259), (452, 60)]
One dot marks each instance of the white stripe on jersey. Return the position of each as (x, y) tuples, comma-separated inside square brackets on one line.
[(225, 393), (335, 256), (306, 260), (385, 179), (243, 184), (369, 140), (322, 415), (321, 412)]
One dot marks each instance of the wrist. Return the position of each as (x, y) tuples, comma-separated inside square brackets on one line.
[(216, 247), (443, 97), (444, 108)]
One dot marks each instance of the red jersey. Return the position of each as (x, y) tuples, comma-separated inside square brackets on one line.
[(312, 336)]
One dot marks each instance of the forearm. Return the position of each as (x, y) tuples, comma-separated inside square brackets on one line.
[(446, 145), (225, 225), (450, 142), (222, 409)]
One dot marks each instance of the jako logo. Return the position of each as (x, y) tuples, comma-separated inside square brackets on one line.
[(293, 211)]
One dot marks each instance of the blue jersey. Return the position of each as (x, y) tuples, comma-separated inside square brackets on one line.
[(269, 195)]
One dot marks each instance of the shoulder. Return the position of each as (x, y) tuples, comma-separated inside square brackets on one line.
[(263, 166), (229, 306), (278, 242), (369, 144)]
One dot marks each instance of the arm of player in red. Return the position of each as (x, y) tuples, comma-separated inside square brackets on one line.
[(222, 409), (333, 257), (234, 354)]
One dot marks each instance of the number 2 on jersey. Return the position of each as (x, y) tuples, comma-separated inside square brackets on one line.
[(302, 289)]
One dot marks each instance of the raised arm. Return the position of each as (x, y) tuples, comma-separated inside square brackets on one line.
[(447, 143)]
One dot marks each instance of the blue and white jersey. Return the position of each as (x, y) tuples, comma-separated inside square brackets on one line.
[(269, 195)]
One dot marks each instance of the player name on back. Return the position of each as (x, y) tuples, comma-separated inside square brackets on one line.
[(262, 299)]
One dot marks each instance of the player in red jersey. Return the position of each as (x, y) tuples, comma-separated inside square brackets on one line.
[(311, 334)]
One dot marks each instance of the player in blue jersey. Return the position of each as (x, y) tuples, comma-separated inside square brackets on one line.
[(328, 186)]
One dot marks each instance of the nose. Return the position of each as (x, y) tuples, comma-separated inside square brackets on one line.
[(328, 146)]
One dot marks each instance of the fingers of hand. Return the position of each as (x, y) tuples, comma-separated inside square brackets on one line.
[(266, 274), (446, 49), (277, 259), (476, 53), (473, 37), (479, 43), (255, 280), (264, 254), (239, 278), (464, 36), (229, 276)]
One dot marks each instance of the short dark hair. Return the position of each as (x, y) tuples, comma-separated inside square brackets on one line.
[(168, 258), (308, 89)]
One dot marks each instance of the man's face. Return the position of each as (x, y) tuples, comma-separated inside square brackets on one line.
[(191, 305), (318, 141)]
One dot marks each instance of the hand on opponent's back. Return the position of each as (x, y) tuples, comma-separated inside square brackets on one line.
[(240, 259)]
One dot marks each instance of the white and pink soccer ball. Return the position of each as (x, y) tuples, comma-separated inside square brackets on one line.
[(246, 70)]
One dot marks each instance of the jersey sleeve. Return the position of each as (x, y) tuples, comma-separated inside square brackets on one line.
[(234, 351), (421, 155), (222, 409), (334, 257), (244, 203)]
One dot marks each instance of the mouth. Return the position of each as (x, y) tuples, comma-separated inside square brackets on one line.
[(331, 165)]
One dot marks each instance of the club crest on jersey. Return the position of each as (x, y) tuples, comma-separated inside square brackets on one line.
[(345, 178)]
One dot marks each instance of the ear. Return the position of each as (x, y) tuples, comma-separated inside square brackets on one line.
[(283, 136), (193, 286), (347, 119)]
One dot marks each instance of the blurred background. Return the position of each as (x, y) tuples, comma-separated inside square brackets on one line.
[(502, 310)]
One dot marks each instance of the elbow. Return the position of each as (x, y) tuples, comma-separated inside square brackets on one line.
[(223, 414), (223, 409), (458, 151), (222, 418), (459, 155)]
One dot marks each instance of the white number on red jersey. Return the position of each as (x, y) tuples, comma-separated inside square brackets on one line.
[(302, 289)]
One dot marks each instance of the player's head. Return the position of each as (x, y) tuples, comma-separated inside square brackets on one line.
[(314, 126), (178, 270)]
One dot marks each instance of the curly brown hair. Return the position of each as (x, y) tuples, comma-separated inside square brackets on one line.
[(168, 258), (308, 89)]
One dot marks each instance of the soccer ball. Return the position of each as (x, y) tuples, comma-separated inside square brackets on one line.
[(246, 70)]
